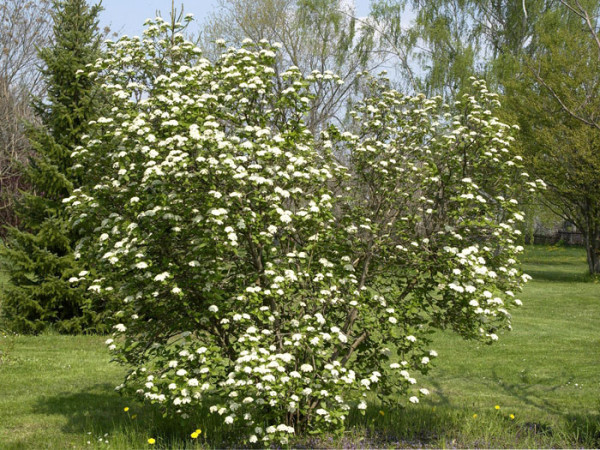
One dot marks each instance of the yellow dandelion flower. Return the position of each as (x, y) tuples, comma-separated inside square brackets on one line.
[(134, 416), (512, 417), (382, 413), (198, 431), (497, 407), (151, 441), (194, 435), (126, 409), (474, 416)]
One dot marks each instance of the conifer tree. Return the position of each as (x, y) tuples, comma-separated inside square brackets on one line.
[(39, 256)]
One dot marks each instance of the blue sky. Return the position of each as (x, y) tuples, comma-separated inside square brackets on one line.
[(127, 16)]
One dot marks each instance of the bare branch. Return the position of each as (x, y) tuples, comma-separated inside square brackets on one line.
[(24, 27), (397, 51), (581, 12)]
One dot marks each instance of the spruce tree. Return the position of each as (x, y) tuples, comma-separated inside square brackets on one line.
[(39, 256)]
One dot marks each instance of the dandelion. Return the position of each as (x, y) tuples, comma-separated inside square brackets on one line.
[(381, 413), (151, 441), (474, 416), (512, 417), (126, 409), (497, 407)]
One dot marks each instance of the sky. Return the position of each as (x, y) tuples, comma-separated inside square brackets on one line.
[(128, 16)]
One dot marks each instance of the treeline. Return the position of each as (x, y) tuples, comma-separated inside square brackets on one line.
[(542, 56)]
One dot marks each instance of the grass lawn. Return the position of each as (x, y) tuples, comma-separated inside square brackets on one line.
[(545, 371), (57, 391)]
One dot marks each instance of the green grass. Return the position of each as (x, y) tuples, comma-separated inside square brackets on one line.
[(545, 371), (57, 391)]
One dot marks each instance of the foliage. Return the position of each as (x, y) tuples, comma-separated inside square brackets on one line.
[(556, 101), (543, 57), (315, 35), (255, 273), (39, 258), (451, 40)]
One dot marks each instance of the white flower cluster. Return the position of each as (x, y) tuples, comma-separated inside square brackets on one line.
[(260, 275)]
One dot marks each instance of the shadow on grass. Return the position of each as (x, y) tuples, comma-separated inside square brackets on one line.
[(579, 428), (558, 264), (99, 406), (556, 273), (419, 426), (526, 394), (585, 429), (101, 410)]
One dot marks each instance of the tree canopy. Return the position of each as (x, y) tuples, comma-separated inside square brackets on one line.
[(38, 256)]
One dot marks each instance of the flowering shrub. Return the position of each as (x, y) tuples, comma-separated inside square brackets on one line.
[(278, 275)]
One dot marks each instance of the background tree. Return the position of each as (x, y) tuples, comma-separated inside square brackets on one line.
[(315, 35), (557, 104), (543, 56), (25, 26), (448, 41), (39, 257)]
